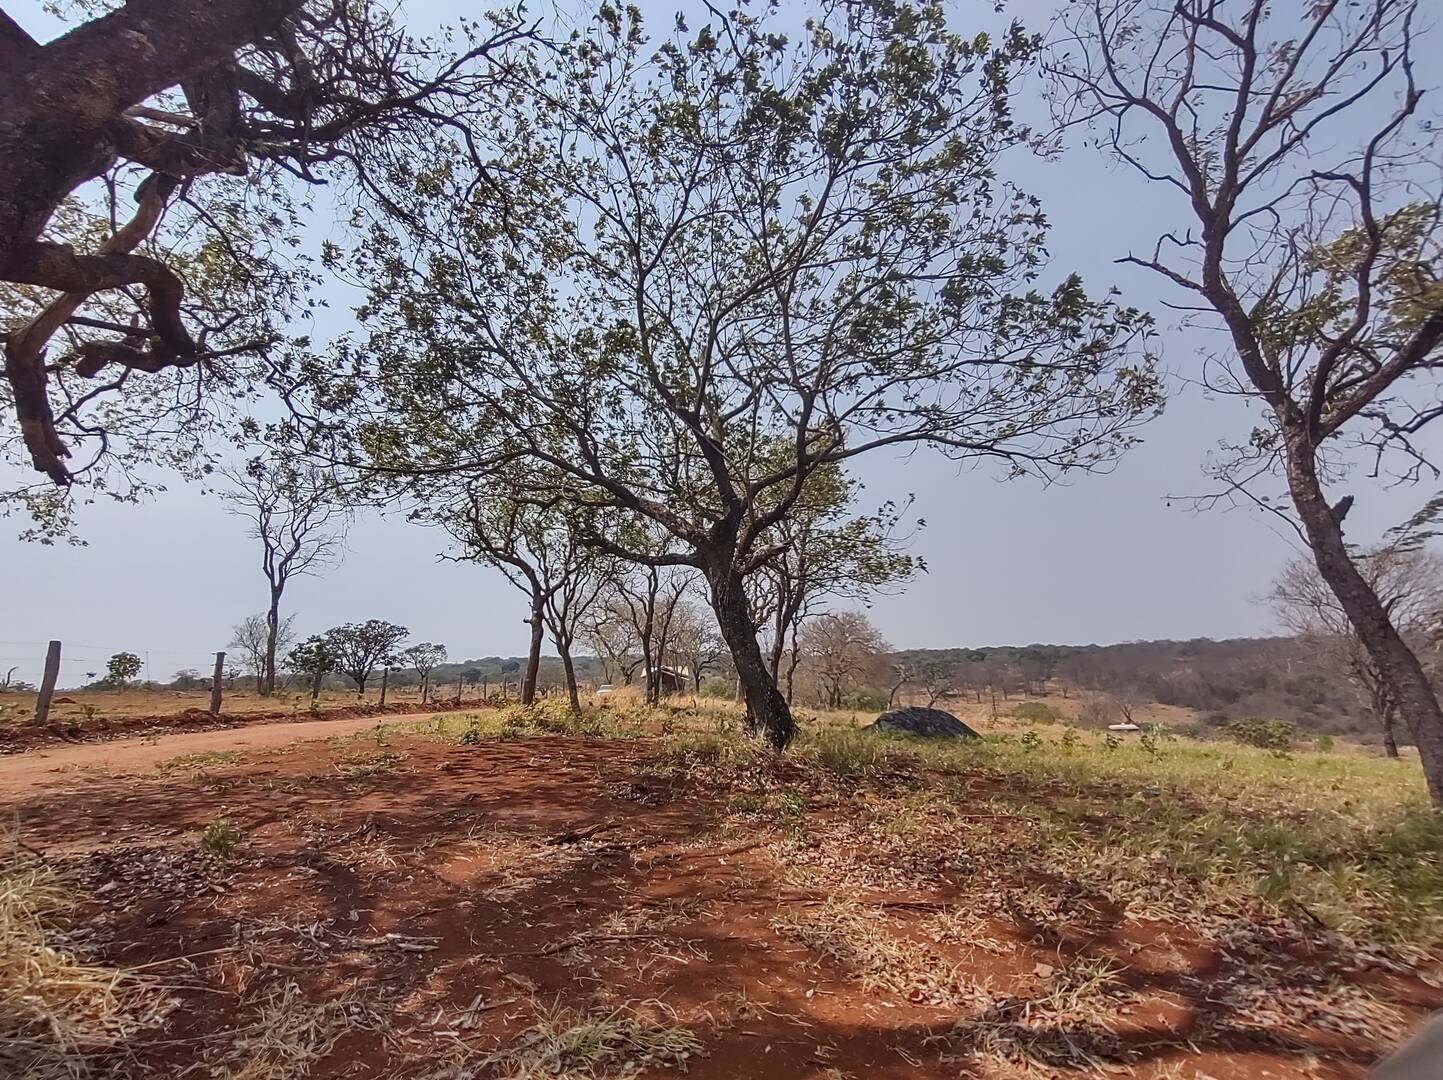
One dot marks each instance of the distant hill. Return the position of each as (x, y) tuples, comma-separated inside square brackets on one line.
[(1273, 677)]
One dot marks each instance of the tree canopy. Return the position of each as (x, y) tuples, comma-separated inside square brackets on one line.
[(729, 260)]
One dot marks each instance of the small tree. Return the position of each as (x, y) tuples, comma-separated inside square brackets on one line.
[(360, 648), (314, 658), (839, 647), (424, 658), (1410, 585), (121, 668), (188, 679), (938, 676), (823, 552), (300, 521), (254, 637), (696, 643)]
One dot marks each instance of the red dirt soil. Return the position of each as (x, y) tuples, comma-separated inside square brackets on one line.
[(20, 737), (524, 873)]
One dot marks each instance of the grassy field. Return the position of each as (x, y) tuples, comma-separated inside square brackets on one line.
[(515, 893)]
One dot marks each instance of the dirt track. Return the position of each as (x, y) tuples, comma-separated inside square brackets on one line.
[(40, 768)]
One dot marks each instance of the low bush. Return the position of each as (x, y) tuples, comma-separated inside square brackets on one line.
[(1036, 712), (220, 838), (1264, 734)]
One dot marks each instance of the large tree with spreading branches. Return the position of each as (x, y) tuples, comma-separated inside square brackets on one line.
[(720, 242)]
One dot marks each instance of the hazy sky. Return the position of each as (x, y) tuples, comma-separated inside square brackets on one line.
[(1102, 559)]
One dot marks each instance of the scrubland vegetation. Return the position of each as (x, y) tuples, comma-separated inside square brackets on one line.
[(522, 891), (623, 309)]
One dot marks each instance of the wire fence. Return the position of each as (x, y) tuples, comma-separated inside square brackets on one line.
[(82, 663)]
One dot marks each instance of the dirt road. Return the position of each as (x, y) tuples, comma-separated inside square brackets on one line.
[(20, 773)]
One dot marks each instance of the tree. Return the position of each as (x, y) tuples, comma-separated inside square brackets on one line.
[(297, 516), (695, 643), (610, 630), (939, 677), (649, 596), (741, 244), (534, 547), (1410, 586), (583, 575), (360, 648), (121, 668), (173, 103), (424, 658), (188, 679), (839, 647), (315, 658), (824, 555), (1293, 137), (256, 638)]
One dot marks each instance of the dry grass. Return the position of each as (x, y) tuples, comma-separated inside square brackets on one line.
[(79, 706), (1014, 1041), (199, 762), (515, 861), (1335, 840), (363, 764), (58, 1015), (565, 1043), (860, 941), (291, 1033)]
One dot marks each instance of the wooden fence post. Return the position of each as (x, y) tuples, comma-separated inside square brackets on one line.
[(47, 684), (215, 682)]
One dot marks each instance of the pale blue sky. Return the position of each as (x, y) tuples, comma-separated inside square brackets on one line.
[(1102, 559)]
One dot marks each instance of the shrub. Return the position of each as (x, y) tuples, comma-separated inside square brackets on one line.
[(864, 701), (1264, 734), (220, 838), (716, 687), (1036, 712)]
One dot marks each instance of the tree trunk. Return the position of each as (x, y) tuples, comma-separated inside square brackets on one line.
[(385, 678), (563, 646), (779, 644), (316, 684), (1390, 742), (47, 683), (794, 657), (215, 684), (767, 711), (273, 631), (533, 658), (1407, 685), (653, 677)]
